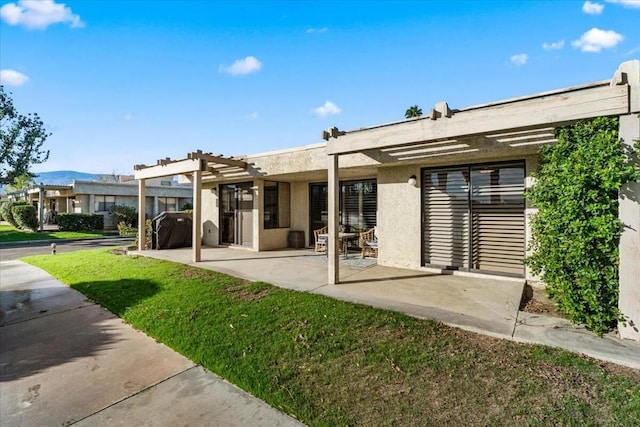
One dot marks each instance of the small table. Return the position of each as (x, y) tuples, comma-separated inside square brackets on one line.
[(344, 237)]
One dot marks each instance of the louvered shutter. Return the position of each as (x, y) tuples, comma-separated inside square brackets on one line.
[(497, 211), (446, 217)]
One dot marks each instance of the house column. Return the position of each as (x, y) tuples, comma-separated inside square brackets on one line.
[(41, 206), (142, 201), (196, 240), (333, 190), (629, 215)]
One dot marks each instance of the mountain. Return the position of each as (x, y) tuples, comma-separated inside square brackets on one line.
[(67, 177)]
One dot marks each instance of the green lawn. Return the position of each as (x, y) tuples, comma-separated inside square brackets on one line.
[(9, 233), (331, 363)]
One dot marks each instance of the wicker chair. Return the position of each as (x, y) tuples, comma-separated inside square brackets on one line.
[(321, 241), (369, 242)]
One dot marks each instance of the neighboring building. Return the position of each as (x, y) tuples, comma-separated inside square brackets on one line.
[(98, 197), (446, 190)]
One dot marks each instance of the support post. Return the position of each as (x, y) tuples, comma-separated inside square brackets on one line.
[(629, 215), (41, 206), (196, 241), (332, 245), (142, 208)]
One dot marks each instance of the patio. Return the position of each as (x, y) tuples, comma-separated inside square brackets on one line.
[(471, 303)]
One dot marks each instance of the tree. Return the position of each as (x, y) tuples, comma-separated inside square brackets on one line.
[(413, 111), (20, 183), (22, 138)]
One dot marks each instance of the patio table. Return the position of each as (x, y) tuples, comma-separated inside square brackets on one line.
[(344, 237)]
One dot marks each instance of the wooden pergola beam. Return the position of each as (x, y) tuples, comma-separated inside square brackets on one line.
[(217, 159), (169, 167), (557, 108)]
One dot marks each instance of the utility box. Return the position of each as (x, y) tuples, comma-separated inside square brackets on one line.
[(171, 230), (295, 239)]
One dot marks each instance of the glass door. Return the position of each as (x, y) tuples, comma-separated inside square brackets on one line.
[(236, 214)]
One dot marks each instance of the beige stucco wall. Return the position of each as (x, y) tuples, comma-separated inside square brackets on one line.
[(300, 208), (398, 217), (210, 216)]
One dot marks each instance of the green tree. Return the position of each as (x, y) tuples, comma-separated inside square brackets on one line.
[(21, 182), (413, 111), (22, 138)]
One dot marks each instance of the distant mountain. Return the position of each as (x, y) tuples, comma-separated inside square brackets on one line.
[(67, 177)]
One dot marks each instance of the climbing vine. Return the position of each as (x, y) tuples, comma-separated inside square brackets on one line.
[(576, 230)]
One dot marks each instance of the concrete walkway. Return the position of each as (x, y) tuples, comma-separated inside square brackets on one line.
[(483, 305), (65, 360)]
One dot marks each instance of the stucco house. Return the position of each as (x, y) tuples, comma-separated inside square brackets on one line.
[(164, 194), (445, 191)]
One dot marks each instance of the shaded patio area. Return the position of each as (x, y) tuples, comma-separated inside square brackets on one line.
[(471, 303)]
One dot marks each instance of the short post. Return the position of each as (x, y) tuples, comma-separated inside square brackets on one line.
[(53, 248)]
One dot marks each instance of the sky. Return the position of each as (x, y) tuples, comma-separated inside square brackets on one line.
[(120, 83)]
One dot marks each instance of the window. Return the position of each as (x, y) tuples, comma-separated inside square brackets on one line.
[(104, 203), (167, 204), (277, 205), (357, 204)]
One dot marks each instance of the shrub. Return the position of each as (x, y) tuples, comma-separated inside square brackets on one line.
[(576, 231), (25, 216), (125, 229), (123, 213), (148, 232), (80, 222), (7, 207), (187, 206)]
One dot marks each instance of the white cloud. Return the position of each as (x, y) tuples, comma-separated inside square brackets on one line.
[(596, 39), (12, 78), (247, 65), (592, 8), (519, 59), (317, 30), (328, 109), (553, 45), (127, 117), (39, 14), (633, 4), (252, 116)]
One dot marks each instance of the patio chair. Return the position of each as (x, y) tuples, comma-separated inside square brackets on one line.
[(369, 242), (321, 241)]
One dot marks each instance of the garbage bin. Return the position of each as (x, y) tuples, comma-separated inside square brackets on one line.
[(296, 239)]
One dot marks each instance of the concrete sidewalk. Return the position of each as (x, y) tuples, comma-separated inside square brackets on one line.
[(65, 360), (484, 305)]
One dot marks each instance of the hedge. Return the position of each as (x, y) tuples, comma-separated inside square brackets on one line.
[(6, 209), (80, 222), (25, 216)]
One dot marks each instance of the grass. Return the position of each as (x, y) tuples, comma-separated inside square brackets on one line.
[(330, 363), (8, 233)]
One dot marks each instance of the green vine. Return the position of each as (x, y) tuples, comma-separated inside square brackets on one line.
[(576, 231)]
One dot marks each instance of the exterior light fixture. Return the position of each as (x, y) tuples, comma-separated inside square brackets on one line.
[(412, 181)]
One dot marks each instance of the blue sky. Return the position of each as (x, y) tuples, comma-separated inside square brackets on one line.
[(120, 83)]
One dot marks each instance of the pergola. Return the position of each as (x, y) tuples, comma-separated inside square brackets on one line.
[(511, 125), (196, 164)]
